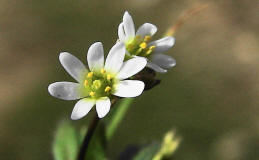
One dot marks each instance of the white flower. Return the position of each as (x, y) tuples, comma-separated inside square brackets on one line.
[(138, 44), (104, 80)]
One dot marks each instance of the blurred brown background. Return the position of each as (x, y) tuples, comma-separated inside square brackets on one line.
[(210, 97)]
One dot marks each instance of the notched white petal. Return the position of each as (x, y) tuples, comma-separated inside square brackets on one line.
[(103, 106), (163, 60), (115, 58), (95, 56), (72, 65), (147, 29), (155, 67), (82, 107), (129, 88), (121, 32), (128, 25), (131, 67), (163, 44), (65, 90)]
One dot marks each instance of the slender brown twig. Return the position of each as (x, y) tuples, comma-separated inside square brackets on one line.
[(186, 15)]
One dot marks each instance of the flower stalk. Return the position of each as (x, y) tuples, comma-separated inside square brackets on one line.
[(87, 138), (89, 134)]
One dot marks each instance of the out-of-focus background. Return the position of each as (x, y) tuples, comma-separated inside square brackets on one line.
[(210, 97)]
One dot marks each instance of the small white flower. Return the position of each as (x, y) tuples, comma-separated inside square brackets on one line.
[(95, 87), (138, 44)]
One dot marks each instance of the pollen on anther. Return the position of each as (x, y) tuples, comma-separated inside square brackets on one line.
[(109, 77), (90, 75), (148, 52), (143, 45), (152, 47), (103, 71), (92, 93), (107, 89)]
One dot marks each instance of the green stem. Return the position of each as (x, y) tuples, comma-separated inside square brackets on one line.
[(88, 136)]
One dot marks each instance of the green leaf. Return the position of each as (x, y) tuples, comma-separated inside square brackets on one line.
[(148, 152), (66, 142), (97, 145), (116, 116)]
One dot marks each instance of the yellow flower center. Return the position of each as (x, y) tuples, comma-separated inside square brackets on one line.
[(139, 46), (99, 84)]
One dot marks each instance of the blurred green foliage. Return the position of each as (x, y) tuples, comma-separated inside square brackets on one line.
[(66, 143)]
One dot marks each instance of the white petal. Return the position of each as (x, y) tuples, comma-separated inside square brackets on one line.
[(121, 32), (128, 25), (103, 106), (95, 56), (129, 88), (72, 65), (156, 68), (131, 67), (163, 44), (115, 58), (163, 60), (81, 108), (65, 90), (147, 29)]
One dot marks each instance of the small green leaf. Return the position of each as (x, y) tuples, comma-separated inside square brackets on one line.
[(97, 145), (148, 152), (66, 143)]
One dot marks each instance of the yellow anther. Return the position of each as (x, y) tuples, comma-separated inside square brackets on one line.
[(90, 75), (92, 93), (103, 71), (107, 89), (109, 77), (143, 45), (148, 52), (147, 38), (152, 47), (86, 83)]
